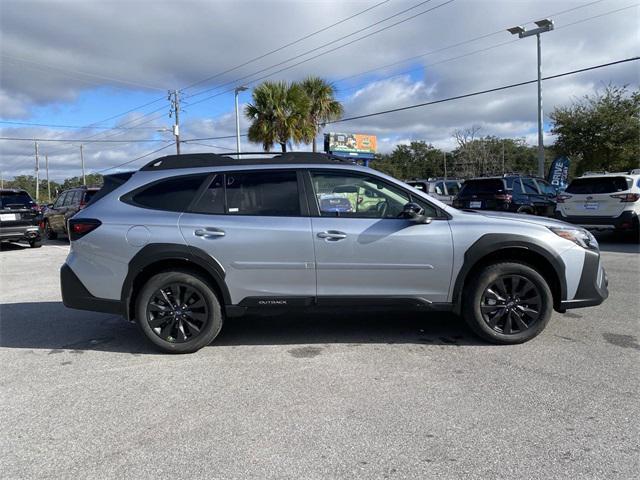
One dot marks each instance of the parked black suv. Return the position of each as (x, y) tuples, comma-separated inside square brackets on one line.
[(19, 218), (68, 203), (509, 193)]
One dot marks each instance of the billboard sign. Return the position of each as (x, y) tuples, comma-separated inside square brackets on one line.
[(559, 172), (350, 143)]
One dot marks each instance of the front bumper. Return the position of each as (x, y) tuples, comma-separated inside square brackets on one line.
[(593, 287), (628, 220), (75, 295)]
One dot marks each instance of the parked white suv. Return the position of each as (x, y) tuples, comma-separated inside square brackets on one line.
[(603, 201)]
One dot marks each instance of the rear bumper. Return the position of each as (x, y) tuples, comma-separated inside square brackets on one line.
[(75, 295), (628, 220), (20, 232), (593, 287)]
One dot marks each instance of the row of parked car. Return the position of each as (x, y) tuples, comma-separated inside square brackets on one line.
[(597, 201)]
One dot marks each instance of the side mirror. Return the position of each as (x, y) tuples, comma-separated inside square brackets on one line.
[(415, 213)]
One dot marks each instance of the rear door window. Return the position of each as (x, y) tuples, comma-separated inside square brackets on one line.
[(173, 194), (68, 199), (439, 188), (453, 188), (266, 193), (529, 186), (595, 185)]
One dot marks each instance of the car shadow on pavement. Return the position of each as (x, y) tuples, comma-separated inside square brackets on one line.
[(51, 326)]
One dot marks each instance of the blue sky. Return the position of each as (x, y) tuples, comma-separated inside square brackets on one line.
[(75, 63)]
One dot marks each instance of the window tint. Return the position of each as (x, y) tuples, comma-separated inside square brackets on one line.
[(439, 188), (174, 194), (88, 195), (482, 186), (419, 185), (453, 188), (68, 199), (356, 196), (530, 186), (546, 188), (591, 185), (266, 193), (212, 200), (15, 199), (60, 200)]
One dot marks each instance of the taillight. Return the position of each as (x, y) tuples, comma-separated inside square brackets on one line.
[(627, 197), (505, 197), (79, 227), (562, 198), (83, 204)]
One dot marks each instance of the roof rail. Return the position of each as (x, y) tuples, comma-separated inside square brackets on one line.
[(196, 160)]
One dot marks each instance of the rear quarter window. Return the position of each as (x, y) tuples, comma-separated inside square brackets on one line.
[(595, 185), (172, 194)]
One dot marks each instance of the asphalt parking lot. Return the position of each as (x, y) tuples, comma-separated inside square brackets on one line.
[(349, 395)]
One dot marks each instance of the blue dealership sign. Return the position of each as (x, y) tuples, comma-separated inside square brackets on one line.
[(559, 172)]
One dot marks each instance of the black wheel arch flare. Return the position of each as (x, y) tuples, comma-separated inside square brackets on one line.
[(490, 245), (156, 255)]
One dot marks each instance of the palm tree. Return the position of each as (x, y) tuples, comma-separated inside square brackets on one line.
[(278, 113), (323, 106)]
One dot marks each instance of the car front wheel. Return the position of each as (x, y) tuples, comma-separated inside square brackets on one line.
[(508, 303), (178, 312)]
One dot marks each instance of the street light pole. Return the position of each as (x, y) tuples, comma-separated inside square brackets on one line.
[(237, 91), (544, 25)]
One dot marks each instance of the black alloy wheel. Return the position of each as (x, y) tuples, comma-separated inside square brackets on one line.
[(511, 304), (177, 312)]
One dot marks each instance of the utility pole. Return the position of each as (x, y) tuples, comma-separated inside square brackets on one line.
[(37, 174), (237, 91), (174, 98), (84, 180), (444, 157), (46, 162), (503, 156), (544, 25)]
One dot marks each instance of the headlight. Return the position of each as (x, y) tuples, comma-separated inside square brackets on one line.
[(579, 236)]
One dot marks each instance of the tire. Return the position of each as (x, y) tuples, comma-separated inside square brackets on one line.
[(166, 324), (49, 232), (35, 243), (510, 299), (526, 210)]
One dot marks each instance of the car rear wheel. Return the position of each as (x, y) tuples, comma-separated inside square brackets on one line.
[(178, 312), (508, 303), (35, 243), (49, 232)]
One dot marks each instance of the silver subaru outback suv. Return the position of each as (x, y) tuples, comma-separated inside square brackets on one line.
[(191, 240)]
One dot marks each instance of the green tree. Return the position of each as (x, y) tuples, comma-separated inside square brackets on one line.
[(416, 160), (279, 113), (92, 180), (323, 106), (600, 131)]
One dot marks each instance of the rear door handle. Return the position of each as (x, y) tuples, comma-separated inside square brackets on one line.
[(209, 232), (332, 235)]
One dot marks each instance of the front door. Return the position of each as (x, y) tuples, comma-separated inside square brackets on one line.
[(252, 223), (363, 249)]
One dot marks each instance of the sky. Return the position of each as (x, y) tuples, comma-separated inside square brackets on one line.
[(104, 68)]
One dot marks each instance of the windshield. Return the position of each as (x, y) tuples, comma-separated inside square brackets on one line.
[(591, 185), (479, 187), (15, 199)]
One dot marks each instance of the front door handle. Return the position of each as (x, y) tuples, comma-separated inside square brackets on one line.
[(209, 232), (332, 235)]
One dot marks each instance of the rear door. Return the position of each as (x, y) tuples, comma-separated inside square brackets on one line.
[(55, 216), (256, 225), (481, 193), (368, 251), (591, 196)]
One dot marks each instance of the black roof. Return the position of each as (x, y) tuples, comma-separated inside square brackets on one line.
[(195, 160)]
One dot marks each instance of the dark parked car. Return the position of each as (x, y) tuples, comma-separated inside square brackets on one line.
[(19, 218), (509, 193), (67, 204)]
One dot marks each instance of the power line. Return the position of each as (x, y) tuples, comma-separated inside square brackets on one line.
[(235, 81), (79, 140), (491, 47), (69, 126), (481, 92), (305, 37), (135, 159)]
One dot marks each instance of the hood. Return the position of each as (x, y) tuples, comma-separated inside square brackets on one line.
[(523, 217)]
